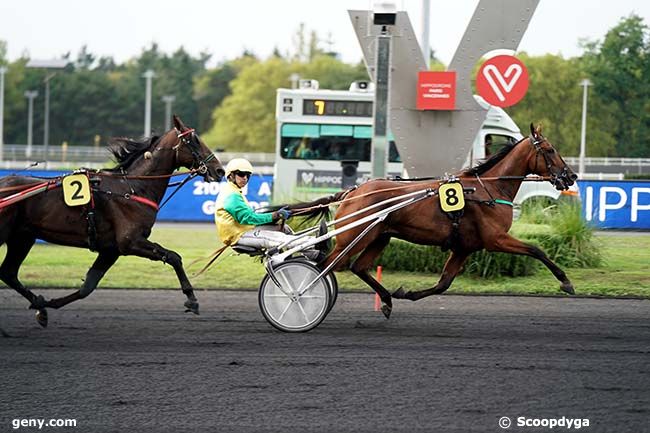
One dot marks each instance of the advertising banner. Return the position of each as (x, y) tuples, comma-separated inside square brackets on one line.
[(621, 204), (436, 90), (606, 204), (194, 201)]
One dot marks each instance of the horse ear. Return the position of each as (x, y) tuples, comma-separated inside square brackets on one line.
[(532, 129), (538, 130), (178, 123)]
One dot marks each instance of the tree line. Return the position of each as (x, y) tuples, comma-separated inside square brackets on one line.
[(233, 104)]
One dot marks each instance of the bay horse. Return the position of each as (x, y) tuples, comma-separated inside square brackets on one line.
[(116, 222), (484, 223)]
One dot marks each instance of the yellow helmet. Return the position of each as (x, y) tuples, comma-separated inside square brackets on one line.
[(238, 164)]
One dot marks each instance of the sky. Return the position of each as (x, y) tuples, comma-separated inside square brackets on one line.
[(48, 29)]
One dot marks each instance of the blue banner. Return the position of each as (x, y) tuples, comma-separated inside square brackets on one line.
[(620, 204), (605, 203), (194, 201)]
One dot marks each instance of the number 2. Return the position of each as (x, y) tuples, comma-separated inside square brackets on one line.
[(79, 186)]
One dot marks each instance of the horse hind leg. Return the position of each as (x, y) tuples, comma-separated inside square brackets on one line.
[(452, 267), (17, 250), (102, 263), (364, 262)]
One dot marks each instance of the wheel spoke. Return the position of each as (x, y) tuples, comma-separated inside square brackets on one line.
[(285, 311), (304, 313)]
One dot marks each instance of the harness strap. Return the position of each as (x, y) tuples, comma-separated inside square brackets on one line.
[(506, 202), (142, 200), (28, 192)]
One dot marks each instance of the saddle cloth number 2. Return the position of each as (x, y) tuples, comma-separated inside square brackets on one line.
[(451, 197), (76, 190)]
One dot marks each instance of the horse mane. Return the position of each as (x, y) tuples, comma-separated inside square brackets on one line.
[(492, 161), (126, 150)]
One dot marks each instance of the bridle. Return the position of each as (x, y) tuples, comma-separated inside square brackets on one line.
[(561, 175), (199, 165)]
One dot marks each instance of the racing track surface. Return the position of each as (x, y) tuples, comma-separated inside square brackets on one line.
[(132, 361)]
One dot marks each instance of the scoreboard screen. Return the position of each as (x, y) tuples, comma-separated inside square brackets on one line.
[(328, 107)]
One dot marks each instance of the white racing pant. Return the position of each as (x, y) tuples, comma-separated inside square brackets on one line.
[(270, 237)]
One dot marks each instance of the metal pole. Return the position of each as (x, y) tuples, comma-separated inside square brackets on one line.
[(168, 99), (426, 47), (149, 74), (2, 109), (379, 149), (30, 95), (46, 117), (583, 134)]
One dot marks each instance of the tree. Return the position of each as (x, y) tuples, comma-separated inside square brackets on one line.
[(554, 99), (245, 121), (212, 86), (619, 68)]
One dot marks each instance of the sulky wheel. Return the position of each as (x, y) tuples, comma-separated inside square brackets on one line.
[(334, 289), (284, 307)]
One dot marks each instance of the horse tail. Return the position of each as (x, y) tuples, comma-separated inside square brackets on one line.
[(313, 210)]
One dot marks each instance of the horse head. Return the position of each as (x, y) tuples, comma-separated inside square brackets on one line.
[(193, 154), (548, 162)]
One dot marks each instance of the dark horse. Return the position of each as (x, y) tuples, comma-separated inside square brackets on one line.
[(117, 221), (484, 224)]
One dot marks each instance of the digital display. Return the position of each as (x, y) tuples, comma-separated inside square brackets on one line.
[(328, 107)]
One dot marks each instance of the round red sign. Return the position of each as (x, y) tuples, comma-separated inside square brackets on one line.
[(502, 80)]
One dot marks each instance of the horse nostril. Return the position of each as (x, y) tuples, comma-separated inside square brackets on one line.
[(221, 172), (574, 177)]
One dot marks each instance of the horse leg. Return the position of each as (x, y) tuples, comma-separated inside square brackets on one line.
[(150, 250), (452, 267), (364, 262), (17, 250), (508, 244), (102, 263)]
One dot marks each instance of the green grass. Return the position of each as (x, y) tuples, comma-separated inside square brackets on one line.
[(623, 271)]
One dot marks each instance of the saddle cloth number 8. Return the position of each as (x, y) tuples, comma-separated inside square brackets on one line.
[(451, 197)]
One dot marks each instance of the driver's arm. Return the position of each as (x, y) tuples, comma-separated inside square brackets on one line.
[(242, 212)]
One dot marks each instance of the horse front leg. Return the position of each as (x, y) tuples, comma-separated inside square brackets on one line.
[(452, 267), (508, 244), (153, 251), (102, 263)]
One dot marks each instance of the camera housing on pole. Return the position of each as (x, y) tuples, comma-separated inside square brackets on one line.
[(349, 173)]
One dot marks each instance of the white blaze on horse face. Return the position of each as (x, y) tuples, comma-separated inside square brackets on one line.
[(490, 72)]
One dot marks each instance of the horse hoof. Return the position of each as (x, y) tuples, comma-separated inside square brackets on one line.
[(191, 307), (41, 317), (38, 304), (399, 294), (386, 309), (568, 288)]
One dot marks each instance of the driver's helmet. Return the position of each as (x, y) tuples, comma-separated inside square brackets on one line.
[(238, 164)]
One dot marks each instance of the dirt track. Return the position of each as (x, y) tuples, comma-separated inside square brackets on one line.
[(132, 361)]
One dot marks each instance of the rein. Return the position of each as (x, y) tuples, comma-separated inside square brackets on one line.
[(300, 211)]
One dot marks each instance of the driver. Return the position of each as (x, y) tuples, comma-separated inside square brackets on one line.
[(238, 224)]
